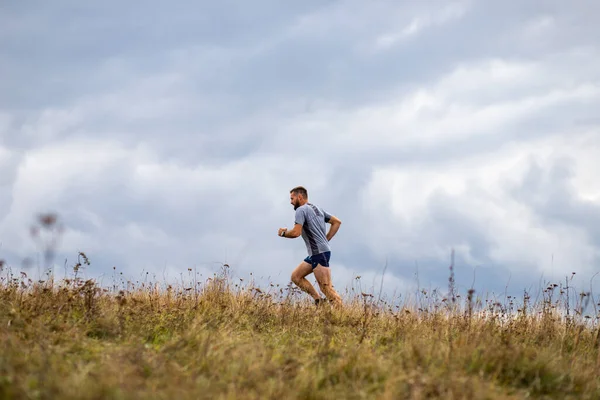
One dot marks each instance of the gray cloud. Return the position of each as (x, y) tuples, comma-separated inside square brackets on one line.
[(552, 198)]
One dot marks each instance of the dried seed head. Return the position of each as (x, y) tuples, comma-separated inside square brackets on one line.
[(47, 220)]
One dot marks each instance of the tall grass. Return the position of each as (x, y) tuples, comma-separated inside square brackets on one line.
[(75, 339), (225, 338)]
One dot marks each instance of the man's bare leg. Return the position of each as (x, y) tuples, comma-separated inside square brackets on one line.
[(299, 278), (323, 276)]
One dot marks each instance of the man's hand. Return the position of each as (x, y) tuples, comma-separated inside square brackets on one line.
[(281, 230)]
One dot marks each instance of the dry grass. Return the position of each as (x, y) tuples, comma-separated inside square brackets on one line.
[(221, 339)]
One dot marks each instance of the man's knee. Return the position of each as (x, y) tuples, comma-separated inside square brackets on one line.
[(297, 277), (300, 272)]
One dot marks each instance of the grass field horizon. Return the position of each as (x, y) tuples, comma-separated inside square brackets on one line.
[(223, 337)]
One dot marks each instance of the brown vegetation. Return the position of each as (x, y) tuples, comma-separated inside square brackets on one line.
[(222, 339)]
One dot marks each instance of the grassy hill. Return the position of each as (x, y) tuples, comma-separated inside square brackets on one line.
[(224, 339)]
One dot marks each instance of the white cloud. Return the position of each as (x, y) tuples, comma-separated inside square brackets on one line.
[(475, 190), (485, 98), (417, 24)]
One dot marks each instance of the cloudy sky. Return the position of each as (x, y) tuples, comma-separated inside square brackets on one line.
[(168, 136)]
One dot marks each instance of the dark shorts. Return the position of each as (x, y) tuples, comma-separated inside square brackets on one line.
[(319, 259)]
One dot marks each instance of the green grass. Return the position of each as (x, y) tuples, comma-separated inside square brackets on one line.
[(220, 340)]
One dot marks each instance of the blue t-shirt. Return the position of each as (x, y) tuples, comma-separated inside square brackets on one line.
[(314, 232)]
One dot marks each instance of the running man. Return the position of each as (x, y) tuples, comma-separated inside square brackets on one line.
[(310, 222)]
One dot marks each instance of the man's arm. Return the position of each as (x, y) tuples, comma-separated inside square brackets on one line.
[(335, 225), (294, 233)]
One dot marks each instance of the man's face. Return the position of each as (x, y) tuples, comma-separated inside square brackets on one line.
[(294, 200)]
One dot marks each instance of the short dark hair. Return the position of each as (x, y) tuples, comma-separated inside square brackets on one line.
[(300, 190)]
